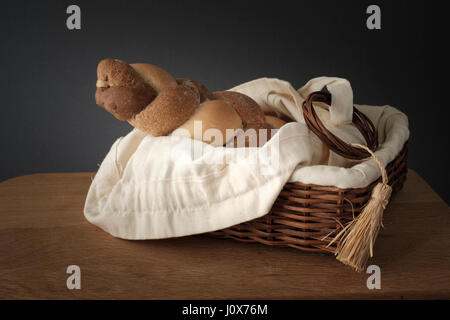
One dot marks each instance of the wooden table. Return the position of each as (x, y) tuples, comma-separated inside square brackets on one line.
[(43, 231)]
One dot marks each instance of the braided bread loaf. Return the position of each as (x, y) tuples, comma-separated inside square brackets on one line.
[(152, 100)]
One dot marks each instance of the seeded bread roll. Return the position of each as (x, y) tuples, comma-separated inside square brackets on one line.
[(116, 73), (120, 89), (170, 109), (211, 114), (204, 92), (246, 107), (150, 99), (124, 102), (155, 76)]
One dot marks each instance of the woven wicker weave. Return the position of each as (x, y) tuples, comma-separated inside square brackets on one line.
[(304, 214)]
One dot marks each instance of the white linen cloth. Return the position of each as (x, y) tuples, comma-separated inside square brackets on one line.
[(159, 187)]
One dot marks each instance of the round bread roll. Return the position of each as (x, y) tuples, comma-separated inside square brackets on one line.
[(155, 76), (169, 110), (246, 107), (275, 122), (211, 114)]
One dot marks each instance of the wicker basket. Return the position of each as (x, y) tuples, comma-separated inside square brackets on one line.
[(304, 214)]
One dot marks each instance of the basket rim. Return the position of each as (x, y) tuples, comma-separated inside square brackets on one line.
[(328, 186)]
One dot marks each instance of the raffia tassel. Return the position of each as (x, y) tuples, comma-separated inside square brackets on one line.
[(357, 238)]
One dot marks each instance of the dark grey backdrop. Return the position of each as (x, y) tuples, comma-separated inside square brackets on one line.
[(49, 120)]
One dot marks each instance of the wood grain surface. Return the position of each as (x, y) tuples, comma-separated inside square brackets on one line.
[(43, 230)]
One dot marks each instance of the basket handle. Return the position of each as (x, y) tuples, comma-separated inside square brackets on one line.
[(359, 119)]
